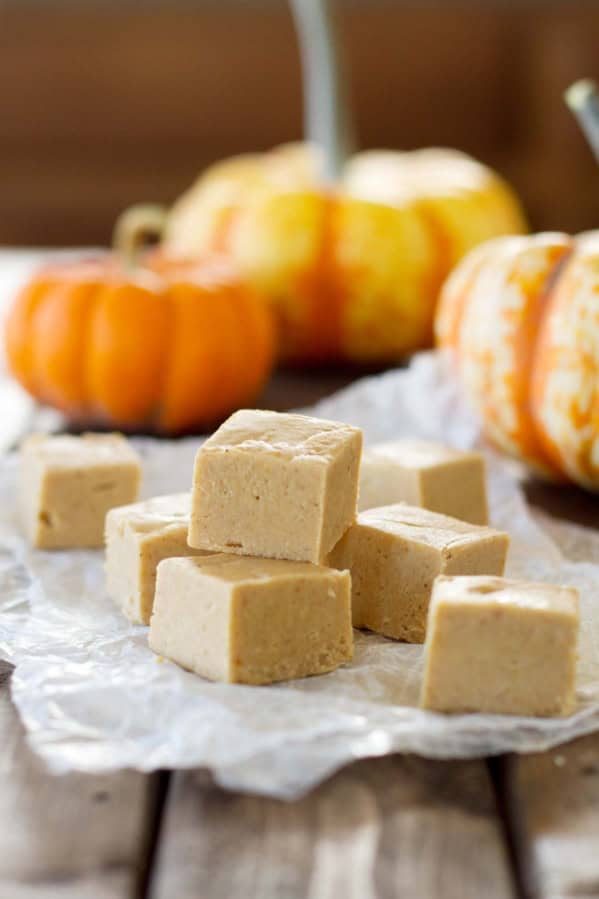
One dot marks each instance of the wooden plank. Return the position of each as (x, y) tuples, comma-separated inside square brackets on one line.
[(101, 106), (74, 836), (554, 798), (392, 827)]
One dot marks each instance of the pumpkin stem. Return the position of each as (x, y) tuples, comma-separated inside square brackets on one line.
[(583, 99), (135, 228), (327, 113)]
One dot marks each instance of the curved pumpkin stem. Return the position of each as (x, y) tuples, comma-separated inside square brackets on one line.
[(135, 228), (583, 99)]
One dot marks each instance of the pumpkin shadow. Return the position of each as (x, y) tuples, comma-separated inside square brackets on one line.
[(563, 501)]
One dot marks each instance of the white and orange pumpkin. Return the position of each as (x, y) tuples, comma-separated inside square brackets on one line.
[(521, 316)]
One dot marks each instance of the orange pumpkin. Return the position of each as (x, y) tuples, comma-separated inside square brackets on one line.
[(351, 271), (139, 349), (521, 316)]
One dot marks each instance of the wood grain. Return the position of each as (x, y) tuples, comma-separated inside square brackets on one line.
[(393, 827), (74, 837), (101, 107), (555, 803)]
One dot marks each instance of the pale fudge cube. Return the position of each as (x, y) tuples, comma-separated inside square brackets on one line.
[(427, 474), (394, 555), (252, 621), (275, 485), (501, 646), (67, 485), (138, 537)]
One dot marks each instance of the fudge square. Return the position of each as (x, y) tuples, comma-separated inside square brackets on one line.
[(138, 537), (67, 485), (425, 474), (252, 621), (395, 553), (275, 485), (501, 646)]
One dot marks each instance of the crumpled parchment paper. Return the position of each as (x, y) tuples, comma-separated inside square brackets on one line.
[(93, 697)]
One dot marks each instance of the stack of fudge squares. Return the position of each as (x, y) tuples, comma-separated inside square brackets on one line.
[(259, 573)]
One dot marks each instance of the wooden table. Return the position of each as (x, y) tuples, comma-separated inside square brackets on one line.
[(513, 826)]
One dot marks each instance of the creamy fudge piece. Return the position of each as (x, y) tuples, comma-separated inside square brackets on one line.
[(425, 474), (395, 553), (138, 537), (67, 485), (252, 621), (275, 485), (501, 646)]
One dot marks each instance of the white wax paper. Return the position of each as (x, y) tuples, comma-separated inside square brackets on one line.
[(93, 697)]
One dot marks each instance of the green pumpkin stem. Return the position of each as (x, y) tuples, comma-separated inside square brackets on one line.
[(327, 113), (135, 228), (583, 99)]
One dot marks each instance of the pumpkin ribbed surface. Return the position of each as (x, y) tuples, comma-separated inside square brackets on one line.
[(521, 316), (166, 351), (351, 271)]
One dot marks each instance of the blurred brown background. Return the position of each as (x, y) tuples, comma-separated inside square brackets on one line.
[(107, 103)]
